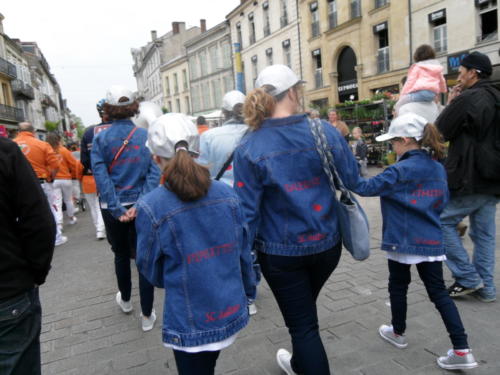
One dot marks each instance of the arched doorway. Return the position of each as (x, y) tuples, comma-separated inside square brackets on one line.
[(347, 78)]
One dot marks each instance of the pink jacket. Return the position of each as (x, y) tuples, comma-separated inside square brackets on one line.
[(425, 75)]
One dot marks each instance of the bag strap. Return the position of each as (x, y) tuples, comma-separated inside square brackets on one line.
[(225, 167), (119, 152)]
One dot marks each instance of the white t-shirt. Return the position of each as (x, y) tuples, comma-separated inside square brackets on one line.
[(414, 259), (215, 346)]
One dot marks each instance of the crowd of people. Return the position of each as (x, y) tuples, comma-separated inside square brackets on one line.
[(204, 212)]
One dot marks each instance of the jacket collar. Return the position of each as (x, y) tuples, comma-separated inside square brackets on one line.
[(26, 134), (290, 120), (481, 83), (123, 122), (411, 153)]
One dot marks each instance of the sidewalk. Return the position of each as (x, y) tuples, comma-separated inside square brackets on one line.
[(84, 332)]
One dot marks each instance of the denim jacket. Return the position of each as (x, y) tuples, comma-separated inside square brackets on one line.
[(134, 173), (199, 252), (217, 145), (284, 191), (413, 194)]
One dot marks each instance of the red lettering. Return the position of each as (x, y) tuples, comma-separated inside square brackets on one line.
[(209, 253), (302, 185), (210, 317)]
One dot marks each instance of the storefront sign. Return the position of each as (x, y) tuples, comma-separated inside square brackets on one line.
[(437, 16), (316, 52), (348, 86), (380, 27), (454, 61)]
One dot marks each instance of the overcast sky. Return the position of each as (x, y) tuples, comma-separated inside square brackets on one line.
[(87, 43)]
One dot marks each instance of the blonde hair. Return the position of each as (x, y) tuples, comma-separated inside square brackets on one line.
[(433, 139)]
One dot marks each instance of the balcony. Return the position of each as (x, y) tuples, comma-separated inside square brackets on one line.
[(318, 78), (8, 69), (332, 20), (383, 60), (21, 89), (13, 114), (48, 102)]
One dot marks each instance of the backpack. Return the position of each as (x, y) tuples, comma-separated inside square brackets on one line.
[(487, 152)]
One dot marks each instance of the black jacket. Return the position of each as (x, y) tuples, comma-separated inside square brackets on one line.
[(464, 123), (27, 227)]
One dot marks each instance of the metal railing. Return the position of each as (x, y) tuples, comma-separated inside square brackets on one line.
[(315, 29), (11, 113), (318, 78), (8, 68), (21, 88), (332, 20), (383, 60)]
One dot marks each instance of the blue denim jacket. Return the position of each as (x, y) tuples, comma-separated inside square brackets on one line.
[(199, 252), (134, 173), (217, 145), (284, 191), (413, 192)]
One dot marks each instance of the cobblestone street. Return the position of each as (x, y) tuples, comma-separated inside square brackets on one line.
[(84, 332)]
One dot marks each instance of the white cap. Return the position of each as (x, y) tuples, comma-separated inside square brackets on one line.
[(409, 125), (116, 92), (231, 99), (170, 129), (148, 112), (279, 76)]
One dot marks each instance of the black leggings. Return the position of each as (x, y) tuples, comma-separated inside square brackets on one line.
[(201, 363)]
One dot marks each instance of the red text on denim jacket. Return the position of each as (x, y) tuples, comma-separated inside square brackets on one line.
[(302, 185), (311, 237), (423, 241), (209, 253), (214, 316), (427, 193)]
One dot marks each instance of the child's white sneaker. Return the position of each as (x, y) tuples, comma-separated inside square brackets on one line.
[(457, 360), (126, 306), (284, 358), (252, 308), (387, 333), (148, 322)]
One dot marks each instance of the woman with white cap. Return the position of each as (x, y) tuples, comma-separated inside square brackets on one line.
[(124, 171), (192, 241), (287, 203)]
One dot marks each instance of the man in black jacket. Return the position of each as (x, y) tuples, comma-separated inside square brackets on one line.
[(27, 232), (467, 123)]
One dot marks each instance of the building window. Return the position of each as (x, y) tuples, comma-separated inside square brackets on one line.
[(178, 105), (255, 69), (216, 92), (238, 34), (206, 95), (380, 3), (214, 58), (170, 109), (382, 39), (167, 86), (186, 101), (318, 69), (488, 20), (355, 8), (439, 32), (251, 28), (267, 24), (193, 67), (176, 84), (269, 56), (226, 52), (332, 14), (184, 79), (284, 13), (203, 63), (314, 19), (228, 83)]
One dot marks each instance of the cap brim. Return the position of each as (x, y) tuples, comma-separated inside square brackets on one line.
[(385, 137)]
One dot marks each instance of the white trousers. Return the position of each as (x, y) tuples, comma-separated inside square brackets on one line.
[(48, 189), (63, 190), (95, 212)]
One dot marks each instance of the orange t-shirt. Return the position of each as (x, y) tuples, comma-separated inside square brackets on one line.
[(40, 154), (69, 165), (202, 128)]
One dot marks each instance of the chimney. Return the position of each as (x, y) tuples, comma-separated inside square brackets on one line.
[(175, 27), (203, 25), (153, 35), (1, 23)]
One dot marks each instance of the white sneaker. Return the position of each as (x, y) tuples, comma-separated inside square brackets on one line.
[(76, 210), (73, 220), (100, 235), (62, 240), (283, 357), (252, 308), (148, 323), (125, 306)]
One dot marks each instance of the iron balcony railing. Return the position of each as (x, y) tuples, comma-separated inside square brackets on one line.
[(383, 60), (11, 113), (7, 68), (318, 78), (20, 88)]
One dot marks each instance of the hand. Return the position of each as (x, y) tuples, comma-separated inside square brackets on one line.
[(454, 92), (124, 218)]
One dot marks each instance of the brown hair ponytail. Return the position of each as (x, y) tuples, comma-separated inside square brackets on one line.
[(186, 178), (433, 139), (258, 106)]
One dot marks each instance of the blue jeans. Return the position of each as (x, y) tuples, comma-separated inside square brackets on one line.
[(123, 239), (481, 210), (296, 282), (431, 273), (201, 363), (20, 326)]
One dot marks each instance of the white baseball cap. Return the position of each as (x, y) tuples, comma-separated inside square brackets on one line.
[(231, 99), (409, 125), (117, 92), (279, 76), (168, 130)]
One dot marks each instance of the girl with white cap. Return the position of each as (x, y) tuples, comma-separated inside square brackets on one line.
[(192, 241), (414, 192), (287, 204)]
